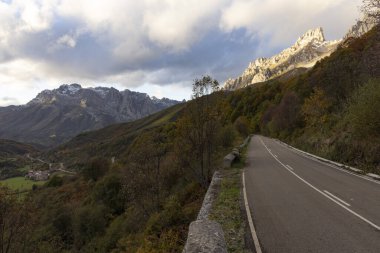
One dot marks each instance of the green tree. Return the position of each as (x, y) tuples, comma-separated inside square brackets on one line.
[(363, 114), (197, 131), (227, 136), (108, 191), (286, 115), (96, 168), (16, 222), (62, 222), (242, 126), (55, 181), (89, 221), (204, 86), (145, 162), (315, 108)]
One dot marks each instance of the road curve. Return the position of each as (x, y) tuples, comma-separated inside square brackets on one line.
[(302, 205)]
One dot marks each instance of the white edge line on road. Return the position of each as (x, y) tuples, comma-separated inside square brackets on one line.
[(250, 221), (289, 167), (324, 194), (335, 197), (311, 157)]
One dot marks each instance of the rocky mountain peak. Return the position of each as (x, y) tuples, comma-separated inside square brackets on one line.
[(361, 27), (69, 88), (305, 52), (312, 35)]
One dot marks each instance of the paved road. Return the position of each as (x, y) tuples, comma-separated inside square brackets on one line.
[(302, 205)]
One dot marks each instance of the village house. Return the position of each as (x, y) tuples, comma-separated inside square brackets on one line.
[(38, 175)]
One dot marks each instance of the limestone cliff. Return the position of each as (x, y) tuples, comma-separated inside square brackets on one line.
[(308, 49)]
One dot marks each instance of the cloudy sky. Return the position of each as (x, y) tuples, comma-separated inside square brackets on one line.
[(152, 46)]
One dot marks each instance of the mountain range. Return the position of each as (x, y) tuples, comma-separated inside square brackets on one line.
[(55, 116)]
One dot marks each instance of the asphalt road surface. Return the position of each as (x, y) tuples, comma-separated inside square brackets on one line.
[(299, 204)]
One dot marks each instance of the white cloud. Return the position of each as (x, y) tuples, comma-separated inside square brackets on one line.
[(5, 101), (7, 20), (147, 43), (18, 70), (23, 79), (283, 21), (67, 40), (178, 91), (173, 24), (177, 24), (35, 15), (137, 31), (116, 23)]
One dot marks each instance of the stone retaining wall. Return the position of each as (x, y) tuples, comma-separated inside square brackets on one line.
[(206, 236)]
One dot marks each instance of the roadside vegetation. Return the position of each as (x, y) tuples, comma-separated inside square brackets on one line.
[(227, 207)]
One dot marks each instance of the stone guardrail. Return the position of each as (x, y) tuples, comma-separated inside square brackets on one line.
[(206, 236), (235, 154)]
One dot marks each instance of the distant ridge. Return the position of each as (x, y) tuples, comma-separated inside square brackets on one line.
[(55, 116)]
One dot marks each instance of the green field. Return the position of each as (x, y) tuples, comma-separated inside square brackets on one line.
[(20, 183), (25, 168)]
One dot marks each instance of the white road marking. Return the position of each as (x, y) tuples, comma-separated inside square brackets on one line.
[(289, 167), (332, 166), (250, 221), (335, 197), (324, 194)]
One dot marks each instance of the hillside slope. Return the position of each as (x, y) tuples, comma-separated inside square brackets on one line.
[(326, 110), (112, 141), (142, 202), (9, 148), (13, 160)]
